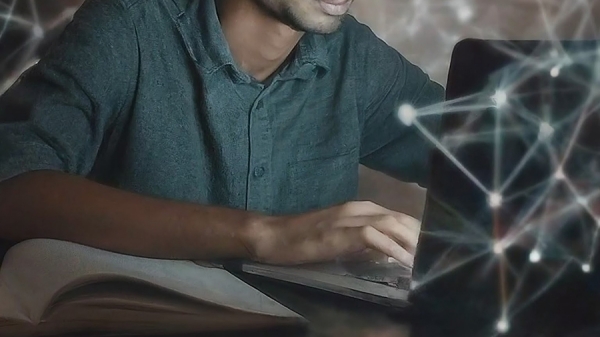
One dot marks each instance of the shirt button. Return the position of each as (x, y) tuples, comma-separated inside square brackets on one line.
[(259, 172)]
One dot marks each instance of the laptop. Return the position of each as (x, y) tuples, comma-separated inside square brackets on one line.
[(510, 232), (457, 284)]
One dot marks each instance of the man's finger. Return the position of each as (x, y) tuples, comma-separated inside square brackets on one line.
[(367, 208), (387, 224), (399, 232), (375, 239), (408, 220)]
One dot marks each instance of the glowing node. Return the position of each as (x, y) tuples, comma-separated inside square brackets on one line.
[(38, 32), (555, 72), (535, 256), (559, 174), (465, 13), (414, 285), (546, 131), (407, 114), (500, 98), (586, 268), (498, 248), (495, 200), (502, 326)]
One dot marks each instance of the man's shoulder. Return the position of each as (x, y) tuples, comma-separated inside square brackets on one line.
[(357, 42), (351, 27), (132, 5), (119, 4), (141, 14), (128, 4), (106, 9)]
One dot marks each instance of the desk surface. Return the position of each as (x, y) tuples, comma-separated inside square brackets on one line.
[(334, 315)]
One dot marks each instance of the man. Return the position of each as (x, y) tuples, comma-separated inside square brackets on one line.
[(199, 129)]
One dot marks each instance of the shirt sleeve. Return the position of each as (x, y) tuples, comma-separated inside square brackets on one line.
[(56, 115), (388, 145)]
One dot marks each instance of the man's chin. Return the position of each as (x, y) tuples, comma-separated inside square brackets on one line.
[(324, 28)]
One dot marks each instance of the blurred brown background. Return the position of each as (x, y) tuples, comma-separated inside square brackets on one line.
[(422, 30)]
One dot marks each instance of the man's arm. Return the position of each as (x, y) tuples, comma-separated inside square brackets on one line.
[(51, 204), (388, 145)]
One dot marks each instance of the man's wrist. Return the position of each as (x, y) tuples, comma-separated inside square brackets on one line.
[(257, 236)]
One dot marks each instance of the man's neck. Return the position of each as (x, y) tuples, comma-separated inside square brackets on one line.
[(259, 43)]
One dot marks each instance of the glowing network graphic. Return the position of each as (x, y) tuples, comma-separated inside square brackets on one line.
[(552, 209), (569, 197)]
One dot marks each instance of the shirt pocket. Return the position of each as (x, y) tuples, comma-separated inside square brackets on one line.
[(323, 181)]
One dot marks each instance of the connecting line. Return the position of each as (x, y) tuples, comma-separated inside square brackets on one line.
[(583, 202), (483, 135), (528, 189), (497, 152), (7, 17), (462, 109), (501, 265), (520, 166), (560, 213), (555, 277), (586, 12), (458, 238), (550, 30), (455, 105), (34, 11), (594, 245), (569, 150), (428, 277), (517, 288), (590, 212), (450, 156)]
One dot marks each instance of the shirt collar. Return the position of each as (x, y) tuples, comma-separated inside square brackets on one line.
[(312, 49), (199, 25)]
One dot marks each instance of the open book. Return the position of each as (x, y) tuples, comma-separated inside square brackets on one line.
[(50, 287)]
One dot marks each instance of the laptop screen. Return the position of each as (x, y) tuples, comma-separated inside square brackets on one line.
[(512, 221)]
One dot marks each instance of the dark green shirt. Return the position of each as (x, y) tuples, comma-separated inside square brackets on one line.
[(144, 95)]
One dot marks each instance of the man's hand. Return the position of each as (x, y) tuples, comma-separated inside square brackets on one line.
[(333, 233)]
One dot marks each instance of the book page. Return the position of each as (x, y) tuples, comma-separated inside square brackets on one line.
[(10, 310), (37, 271), (126, 307)]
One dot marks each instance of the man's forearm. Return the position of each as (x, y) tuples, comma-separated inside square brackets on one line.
[(59, 206)]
